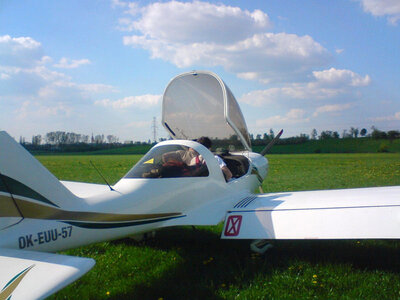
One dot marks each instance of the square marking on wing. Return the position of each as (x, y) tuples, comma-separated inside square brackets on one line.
[(232, 227)]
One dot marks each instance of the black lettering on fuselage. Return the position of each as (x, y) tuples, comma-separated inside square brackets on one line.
[(29, 242), (40, 237), (21, 242)]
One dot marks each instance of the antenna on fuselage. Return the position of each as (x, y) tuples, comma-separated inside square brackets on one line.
[(101, 176)]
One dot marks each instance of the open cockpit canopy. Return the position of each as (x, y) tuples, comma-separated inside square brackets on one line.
[(199, 104)]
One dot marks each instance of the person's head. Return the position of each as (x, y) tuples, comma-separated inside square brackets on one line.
[(205, 141)]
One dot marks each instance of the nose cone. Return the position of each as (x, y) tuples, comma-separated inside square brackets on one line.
[(260, 163)]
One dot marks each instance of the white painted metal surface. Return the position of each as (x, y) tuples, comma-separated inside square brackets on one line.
[(29, 275), (365, 213)]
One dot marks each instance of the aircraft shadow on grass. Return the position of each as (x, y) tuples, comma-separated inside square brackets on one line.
[(209, 264)]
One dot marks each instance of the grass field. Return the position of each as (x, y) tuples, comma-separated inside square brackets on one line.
[(183, 263)]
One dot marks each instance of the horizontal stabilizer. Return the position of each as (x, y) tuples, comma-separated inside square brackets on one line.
[(36, 275), (365, 213)]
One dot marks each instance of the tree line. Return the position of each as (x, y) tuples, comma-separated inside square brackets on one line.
[(375, 133), (61, 141), (70, 138), (70, 141)]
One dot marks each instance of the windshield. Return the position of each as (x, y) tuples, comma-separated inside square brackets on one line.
[(199, 104), (170, 161)]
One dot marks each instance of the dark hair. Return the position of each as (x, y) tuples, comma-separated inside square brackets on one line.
[(205, 141)]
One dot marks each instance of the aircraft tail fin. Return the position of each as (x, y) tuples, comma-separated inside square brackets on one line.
[(24, 177)]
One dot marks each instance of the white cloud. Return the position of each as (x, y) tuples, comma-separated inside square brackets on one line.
[(261, 97), (294, 116), (339, 51), (340, 78), (68, 91), (381, 8), (332, 108), (395, 117), (20, 51), (326, 84), (197, 22), (66, 63), (200, 33), (31, 109), (143, 101), (131, 8), (19, 43), (4, 76), (31, 91), (26, 81)]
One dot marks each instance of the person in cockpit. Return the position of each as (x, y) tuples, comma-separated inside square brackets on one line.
[(183, 163), (190, 157), (206, 142)]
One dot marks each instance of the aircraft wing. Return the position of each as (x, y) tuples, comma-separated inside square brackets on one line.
[(365, 213), (36, 275)]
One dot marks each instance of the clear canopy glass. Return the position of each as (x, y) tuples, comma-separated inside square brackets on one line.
[(170, 161), (200, 104)]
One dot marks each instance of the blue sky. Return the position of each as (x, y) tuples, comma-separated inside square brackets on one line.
[(101, 66)]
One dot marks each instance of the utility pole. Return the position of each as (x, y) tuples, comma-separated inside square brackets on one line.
[(154, 128)]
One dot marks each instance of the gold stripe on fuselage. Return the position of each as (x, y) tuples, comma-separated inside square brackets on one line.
[(7, 207), (39, 211)]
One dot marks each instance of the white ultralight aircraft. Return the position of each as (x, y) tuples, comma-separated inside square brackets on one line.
[(169, 186)]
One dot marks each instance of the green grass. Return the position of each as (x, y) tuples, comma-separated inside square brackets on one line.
[(135, 149), (79, 167), (183, 263)]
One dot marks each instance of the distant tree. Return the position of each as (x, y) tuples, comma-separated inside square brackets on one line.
[(363, 132), (354, 132), (233, 137), (304, 137), (327, 134), (335, 135), (265, 137), (258, 137), (99, 139), (84, 138), (393, 134), (251, 137), (378, 134), (36, 140), (112, 139), (50, 138), (61, 137), (271, 134), (314, 134), (346, 135)]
